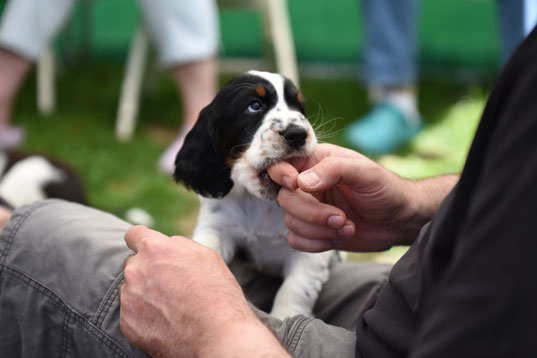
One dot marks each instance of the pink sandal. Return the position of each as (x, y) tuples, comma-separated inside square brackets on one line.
[(11, 137)]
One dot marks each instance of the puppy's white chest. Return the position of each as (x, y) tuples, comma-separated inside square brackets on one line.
[(258, 227), (269, 252), (244, 221)]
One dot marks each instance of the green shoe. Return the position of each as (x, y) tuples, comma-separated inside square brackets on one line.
[(383, 130)]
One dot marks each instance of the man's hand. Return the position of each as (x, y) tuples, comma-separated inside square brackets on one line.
[(180, 300), (339, 199)]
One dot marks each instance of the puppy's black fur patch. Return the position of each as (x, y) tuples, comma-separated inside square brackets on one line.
[(199, 164), (293, 97)]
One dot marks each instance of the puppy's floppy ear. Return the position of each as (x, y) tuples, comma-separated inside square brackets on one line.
[(199, 165)]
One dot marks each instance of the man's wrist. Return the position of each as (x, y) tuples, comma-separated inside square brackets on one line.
[(246, 337), (425, 197)]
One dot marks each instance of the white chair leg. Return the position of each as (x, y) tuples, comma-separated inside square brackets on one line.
[(282, 38), (46, 93), (132, 82)]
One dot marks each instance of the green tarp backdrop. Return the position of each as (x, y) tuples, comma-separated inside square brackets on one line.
[(453, 33)]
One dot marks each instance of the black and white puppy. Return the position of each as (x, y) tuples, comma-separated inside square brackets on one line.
[(28, 177), (255, 120)]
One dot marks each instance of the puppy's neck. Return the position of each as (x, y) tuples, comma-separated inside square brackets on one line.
[(242, 197)]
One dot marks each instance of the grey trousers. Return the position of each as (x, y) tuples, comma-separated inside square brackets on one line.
[(61, 268)]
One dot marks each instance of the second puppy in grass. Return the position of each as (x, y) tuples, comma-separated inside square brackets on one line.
[(254, 121)]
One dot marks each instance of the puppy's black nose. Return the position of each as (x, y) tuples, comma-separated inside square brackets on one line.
[(294, 135)]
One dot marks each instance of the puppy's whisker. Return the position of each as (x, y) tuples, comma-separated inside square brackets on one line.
[(327, 129), (318, 117), (324, 132)]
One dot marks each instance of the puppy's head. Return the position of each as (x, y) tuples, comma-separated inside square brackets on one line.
[(255, 120)]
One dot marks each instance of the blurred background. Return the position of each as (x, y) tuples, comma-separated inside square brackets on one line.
[(458, 58)]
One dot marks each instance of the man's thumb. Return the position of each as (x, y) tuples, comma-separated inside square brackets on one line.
[(332, 171)]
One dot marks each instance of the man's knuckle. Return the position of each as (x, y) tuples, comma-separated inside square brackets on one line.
[(152, 246), (131, 274), (318, 217), (135, 230), (291, 239), (289, 221), (283, 196)]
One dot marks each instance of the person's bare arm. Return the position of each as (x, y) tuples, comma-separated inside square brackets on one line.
[(428, 194), (180, 299)]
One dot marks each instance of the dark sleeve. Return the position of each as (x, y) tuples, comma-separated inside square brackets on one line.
[(485, 302)]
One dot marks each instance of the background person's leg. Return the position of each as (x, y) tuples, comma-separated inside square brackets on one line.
[(390, 31), (26, 28), (60, 270), (13, 71), (187, 37), (390, 42), (197, 83), (516, 20)]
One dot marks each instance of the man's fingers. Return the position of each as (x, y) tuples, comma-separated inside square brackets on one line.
[(136, 235), (284, 174), (305, 207), (317, 232), (304, 244), (330, 171), (308, 230)]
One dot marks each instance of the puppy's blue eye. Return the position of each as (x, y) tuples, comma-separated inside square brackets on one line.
[(255, 107)]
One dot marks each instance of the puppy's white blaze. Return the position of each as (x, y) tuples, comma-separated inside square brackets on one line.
[(277, 81)]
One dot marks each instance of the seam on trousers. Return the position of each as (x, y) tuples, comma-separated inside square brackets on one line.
[(73, 315), (106, 303), (65, 333), (296, 332)]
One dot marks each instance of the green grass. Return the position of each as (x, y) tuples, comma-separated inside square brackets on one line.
[(443, 146), (118, 176)]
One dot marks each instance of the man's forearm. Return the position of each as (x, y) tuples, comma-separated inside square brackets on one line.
[(426, 195), (248, 338), (432, 192)]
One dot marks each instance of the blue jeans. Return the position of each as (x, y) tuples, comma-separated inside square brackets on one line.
[(391, 34), (390, 41), (517, 19)]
